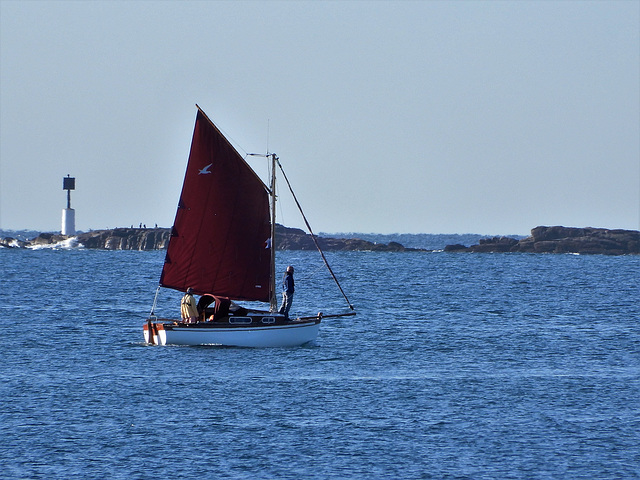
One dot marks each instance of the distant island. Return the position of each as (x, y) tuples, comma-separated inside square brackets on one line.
[(559, 239), (556, 239)]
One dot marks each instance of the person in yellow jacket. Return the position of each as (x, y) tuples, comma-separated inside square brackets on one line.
[(188, 308)]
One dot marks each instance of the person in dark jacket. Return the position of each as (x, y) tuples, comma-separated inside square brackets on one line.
[(288, 288)]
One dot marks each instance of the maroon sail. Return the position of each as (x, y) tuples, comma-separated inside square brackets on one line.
[(220, 239)]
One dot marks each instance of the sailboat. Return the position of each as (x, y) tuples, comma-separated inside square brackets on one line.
[(222, 247)]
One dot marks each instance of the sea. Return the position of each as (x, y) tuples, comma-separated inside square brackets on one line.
[(456, 366)]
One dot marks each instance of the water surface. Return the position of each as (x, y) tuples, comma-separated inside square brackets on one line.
[(457, 366)]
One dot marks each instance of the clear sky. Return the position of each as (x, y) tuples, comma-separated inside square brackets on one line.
[(487, 117)]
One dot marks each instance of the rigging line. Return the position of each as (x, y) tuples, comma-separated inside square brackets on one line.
[(155, 302), (315, 271), (313, 237), (261, 174)]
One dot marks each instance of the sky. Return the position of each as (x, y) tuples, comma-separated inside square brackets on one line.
[(487, 117)]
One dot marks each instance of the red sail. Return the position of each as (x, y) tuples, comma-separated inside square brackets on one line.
[(220, 239)]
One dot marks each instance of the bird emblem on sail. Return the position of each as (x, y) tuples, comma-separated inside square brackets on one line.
[(267, 243), (205, 170)]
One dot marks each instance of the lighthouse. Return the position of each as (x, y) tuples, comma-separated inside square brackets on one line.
[(68, 214)]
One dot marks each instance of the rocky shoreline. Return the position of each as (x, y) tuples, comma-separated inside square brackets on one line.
[(296, 239), (559, 239), (556, 239), (158, 239)]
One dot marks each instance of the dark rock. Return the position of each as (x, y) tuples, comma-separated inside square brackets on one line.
[(126, 239), (495, 244), (48, 239), (10, 242), (296, 239), (158, 239), (456, 248), (558, 239)]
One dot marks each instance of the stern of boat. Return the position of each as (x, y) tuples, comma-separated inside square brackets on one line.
[(154, 333)]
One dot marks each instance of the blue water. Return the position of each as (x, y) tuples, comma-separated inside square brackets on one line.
[(457, 366)]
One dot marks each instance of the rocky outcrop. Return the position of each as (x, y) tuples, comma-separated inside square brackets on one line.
[(115, 239), (158, 239), (296, 239), (126, 239), (542, 240), (41, 239), (559, 239), (10, 242), (48, 239), (495, 244)]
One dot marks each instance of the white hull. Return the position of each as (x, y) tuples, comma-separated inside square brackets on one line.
[(286, 335)]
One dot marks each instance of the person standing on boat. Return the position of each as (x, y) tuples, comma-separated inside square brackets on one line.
[(188, 308), (288, 288)]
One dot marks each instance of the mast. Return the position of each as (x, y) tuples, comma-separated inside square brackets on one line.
[(273, 300)]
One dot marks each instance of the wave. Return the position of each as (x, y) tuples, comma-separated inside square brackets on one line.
[(67, 244)]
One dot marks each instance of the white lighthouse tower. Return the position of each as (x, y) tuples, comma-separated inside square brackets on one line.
[(68, 214)]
